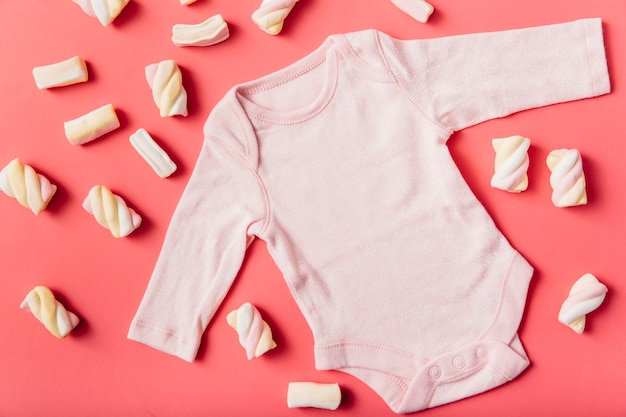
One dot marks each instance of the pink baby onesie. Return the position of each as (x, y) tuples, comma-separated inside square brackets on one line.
[(339, 163)]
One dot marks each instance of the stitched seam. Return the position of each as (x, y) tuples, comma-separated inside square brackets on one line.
[(500, 371), (334, 73), (313, 114), (594, 89), (254, 173), (146, 325), (366, 64), (403, 90), (268, 85), (399, 382), (375, 346)]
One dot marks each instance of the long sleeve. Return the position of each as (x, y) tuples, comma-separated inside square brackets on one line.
[(218, 214), (463, 80)]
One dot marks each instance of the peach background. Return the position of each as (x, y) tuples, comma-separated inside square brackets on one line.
[(96, 371)]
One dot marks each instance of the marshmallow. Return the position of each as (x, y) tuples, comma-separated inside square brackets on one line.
[(104, 10), (312, 394), (92, 125), (186, 2), (68, 72), (152, 153), (166, 82), (586, 295), (254, 333), (41, 302), (111, 211), (271, 15), (419, 10), (567, 178), (211, 31), (511, 164), (32, 190)]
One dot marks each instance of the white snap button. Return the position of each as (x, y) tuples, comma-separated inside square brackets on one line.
[(434, 372), (458, 362), (481, 352)]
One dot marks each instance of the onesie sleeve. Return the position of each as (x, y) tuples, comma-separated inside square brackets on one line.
[(463, 80), (216, 219)]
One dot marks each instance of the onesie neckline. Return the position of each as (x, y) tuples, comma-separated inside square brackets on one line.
[(325, 55)]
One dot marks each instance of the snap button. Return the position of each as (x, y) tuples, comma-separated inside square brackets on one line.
[(458, 362), (434, 372), (481, 352)]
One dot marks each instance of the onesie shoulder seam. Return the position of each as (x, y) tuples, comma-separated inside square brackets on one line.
[(383, 56), (385, 70)]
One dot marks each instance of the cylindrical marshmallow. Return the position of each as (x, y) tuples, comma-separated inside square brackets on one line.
[(511, 163), (586, 295), (68, 72), (168, 93), (30, 189), (255, 335), (104, 10), (92, 125), (271, 15), (152, 153), (111, 211), (211, 31), (567, 178), (44, 306), (313, 394), (419, 10)]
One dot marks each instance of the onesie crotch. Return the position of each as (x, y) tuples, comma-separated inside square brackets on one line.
[(467, 371)]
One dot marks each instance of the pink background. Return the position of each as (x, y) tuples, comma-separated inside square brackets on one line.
[(96, 371)]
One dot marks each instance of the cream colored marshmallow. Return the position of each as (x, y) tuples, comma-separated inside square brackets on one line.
[(44, 306), (585, 296), (569, 187), (511, 164), (419, 10), (211, 31), (271, 15), (30, 189), (187, 2), (104, 10), (313, 394), (168, 93), (152, 153), (68, 72), (111, 211), (92, 125), (254, 333)]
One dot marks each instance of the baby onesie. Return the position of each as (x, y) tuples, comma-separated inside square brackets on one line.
[(339, 163)]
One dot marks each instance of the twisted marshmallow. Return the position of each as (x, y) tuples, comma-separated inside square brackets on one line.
[(111, 211), (104, 10), (586, 295), (419, 10), (270, 16), (567, 178), (511, 164), (166, 82), (21, 182), (255, 334), (41, 302)]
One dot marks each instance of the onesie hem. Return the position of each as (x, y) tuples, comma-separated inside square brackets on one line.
[(161, 339), (595, 56), (408, 384)]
